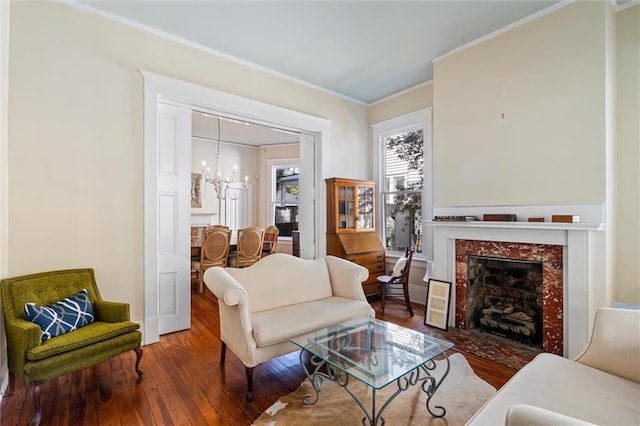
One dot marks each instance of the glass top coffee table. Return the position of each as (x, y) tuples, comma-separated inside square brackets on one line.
[(376, 353)]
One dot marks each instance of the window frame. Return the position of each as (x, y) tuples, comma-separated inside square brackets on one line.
[(272, 165), (420, 119)]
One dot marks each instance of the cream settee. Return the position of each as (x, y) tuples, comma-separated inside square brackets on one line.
[(602, 386), (281, 297)]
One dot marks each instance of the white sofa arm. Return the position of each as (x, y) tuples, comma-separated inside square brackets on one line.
[(346, 278), (615, 343), (528, 415), (225, 287), (231, 293)]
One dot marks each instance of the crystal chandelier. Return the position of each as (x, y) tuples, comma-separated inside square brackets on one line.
[(219, 182)]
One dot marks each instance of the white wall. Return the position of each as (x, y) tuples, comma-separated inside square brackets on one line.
[(403, 103), (525, 119), (4, 121), (244, 157), (76, 137), (628, 157), (548, 79)]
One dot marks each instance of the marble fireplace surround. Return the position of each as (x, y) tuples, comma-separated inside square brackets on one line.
[(550, 256), (583, 258)]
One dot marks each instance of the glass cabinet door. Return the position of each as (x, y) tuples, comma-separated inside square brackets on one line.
[(346, 207), (365, 207)]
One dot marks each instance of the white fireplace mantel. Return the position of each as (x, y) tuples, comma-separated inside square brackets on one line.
[(583, 257), (202, 218), (556, 226)]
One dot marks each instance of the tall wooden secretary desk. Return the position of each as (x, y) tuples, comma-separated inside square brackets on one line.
[(351, 232)]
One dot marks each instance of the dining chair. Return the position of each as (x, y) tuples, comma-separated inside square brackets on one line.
[(249, 250), (214, 250), (396, 284), (270, 234)]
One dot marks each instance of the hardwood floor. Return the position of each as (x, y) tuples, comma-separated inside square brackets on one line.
[(183, 382)]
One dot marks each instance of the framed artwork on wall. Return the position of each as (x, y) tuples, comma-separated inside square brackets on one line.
[(196, 190), (436, 313)]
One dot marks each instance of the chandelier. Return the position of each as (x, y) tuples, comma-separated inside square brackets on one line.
[(219, 182)]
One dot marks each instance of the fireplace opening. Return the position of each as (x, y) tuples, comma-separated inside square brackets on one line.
[(504, 297)]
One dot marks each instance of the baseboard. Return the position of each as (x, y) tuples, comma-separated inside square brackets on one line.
[(418, 294), (141, 323)]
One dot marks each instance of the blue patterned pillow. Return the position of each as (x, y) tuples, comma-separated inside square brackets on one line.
[(63, 316)]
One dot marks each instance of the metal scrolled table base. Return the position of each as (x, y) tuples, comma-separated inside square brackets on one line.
[(420, 375)]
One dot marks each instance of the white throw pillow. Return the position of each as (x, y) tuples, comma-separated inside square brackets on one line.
[(399, 266)]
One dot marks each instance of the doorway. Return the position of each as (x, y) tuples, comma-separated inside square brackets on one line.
[(230, 173), (161, 89)]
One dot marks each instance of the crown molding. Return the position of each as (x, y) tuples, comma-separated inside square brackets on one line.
[(168, 36), (400, 93), (624, 6), (509, 27)]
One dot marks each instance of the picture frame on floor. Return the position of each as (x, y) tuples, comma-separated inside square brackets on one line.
[(436, 313)]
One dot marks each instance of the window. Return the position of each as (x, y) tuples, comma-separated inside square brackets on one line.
[(403, 163), (403, 168), (285, 198)]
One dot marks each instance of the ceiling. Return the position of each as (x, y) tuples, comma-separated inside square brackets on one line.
[(204, 126), (360, 50)]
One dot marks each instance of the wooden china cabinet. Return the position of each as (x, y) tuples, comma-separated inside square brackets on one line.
[(351, 232)]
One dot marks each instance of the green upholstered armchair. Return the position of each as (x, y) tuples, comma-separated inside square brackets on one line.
[(110, 334)]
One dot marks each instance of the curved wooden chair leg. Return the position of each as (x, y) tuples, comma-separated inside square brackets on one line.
[(36, 390), (249, 372), (12, 384), (406, 298), (223, 353), (138, 358)]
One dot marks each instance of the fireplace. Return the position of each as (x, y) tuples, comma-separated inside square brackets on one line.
[(546, 325), (504, 297), (573, 260)]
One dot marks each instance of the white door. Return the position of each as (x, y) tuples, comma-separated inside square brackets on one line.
[(174, 216), (307, 200)]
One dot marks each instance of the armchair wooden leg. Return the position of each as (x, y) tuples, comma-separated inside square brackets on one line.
[(223, 353), (382, 297), (36, 390), (138, 358), (12, 384), (249, 371)]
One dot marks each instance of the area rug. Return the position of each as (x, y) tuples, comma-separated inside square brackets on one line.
[(462, 393)]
